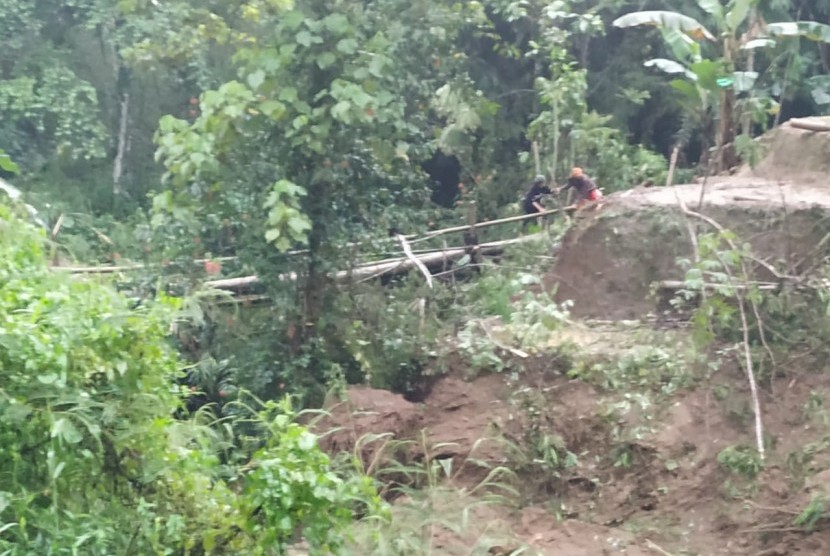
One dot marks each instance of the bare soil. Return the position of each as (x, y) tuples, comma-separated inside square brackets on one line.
[(673, 495), (614, 254)]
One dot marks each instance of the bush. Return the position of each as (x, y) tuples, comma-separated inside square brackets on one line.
[(97, 464)]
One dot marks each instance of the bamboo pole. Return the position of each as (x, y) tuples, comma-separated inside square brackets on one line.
[(105, 269), (680, 285)]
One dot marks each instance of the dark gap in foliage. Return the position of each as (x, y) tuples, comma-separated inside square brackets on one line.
[(444, 175)]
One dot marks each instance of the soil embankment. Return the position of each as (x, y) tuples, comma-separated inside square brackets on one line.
[(613, 256)]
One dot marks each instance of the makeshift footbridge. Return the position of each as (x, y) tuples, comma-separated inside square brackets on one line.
[(430, 262)]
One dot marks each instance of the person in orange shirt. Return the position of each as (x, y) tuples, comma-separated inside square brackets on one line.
[(586, 189)]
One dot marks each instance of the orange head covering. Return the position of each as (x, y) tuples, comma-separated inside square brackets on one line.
[(576, 172)]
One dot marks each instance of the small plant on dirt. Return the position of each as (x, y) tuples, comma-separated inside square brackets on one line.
[(623, 455), (814, 512), (799, 461), (814, 409), (487, 342), (482, 351), (729, 304), (538, 454), (741, 460), (535, 317), (651, 368)]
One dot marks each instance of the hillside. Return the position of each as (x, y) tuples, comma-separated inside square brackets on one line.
[(625, 437)]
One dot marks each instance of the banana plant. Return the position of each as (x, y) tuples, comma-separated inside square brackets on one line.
[(740, 29)]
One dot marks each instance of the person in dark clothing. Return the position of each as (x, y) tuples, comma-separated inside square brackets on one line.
[(585, 188), (533, 198)]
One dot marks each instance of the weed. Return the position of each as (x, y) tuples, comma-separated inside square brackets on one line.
[(741, 460), (648, 368), (815, 511), (814, 409), (486, 342), (798, 462), (429, 508)]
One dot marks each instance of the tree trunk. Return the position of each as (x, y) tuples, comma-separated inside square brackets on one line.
[(118, 165), (316, 287), (727, 155)]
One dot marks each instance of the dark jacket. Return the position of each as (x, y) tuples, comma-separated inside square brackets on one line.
[(534, 195)]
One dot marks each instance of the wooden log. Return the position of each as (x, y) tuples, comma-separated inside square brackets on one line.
[(810, 124), (674, 285)]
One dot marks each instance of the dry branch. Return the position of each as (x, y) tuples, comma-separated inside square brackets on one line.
[(679, 285), (415, 260), (748, 364)]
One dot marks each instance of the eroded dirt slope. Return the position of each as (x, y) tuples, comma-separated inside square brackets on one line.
[(612, 256), (646, 474)]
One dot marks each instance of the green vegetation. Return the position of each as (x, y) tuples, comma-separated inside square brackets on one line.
[(245, 170), (96, 463)]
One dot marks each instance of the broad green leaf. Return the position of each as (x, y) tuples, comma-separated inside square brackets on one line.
[(812, 30), (688, 89), (820, 89), (288, 94), (665, 20), (299, 225), (669, 66), (272, 235), (738, 14), (64, 429), (347, 46), (306, 441), (274, 109), (682, 45), (325, 60), (341, 111), (256, 79), (706, 72), (712, 7), (7, 164), (304, 38), (336, 23), (293, 19)]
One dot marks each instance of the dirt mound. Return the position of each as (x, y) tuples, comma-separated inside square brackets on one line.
[(363, 413), (611, 257), (791, 153), (459, 417)]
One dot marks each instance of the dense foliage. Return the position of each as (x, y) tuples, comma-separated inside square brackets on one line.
[(94, 461), (284, 132), (291, 140)]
